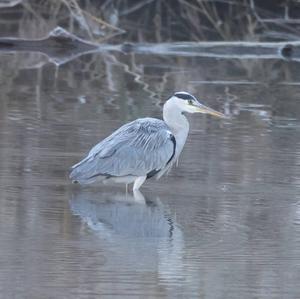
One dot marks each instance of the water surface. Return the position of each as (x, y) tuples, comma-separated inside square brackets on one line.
[(224, 224)]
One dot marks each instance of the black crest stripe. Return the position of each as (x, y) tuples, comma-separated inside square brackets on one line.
[(184, 96)]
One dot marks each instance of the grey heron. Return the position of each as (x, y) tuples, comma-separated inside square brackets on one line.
[(143, 148)]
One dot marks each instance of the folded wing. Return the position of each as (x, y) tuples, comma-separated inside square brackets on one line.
[(142, 147)]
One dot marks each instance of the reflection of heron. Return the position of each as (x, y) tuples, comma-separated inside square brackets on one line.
[(141, 149), (136, 236), (126, 215)]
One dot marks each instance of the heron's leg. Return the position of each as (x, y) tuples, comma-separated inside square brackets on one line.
[(139, 182), (139, 197)]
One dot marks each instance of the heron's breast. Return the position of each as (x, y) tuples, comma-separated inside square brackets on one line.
[(180, 138)]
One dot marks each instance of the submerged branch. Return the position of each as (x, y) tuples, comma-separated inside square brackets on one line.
[(239, 49), (61, 46)]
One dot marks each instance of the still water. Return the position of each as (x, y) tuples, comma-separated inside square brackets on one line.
[(225, 223)]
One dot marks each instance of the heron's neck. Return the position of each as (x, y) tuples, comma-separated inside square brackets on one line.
[(174, 118), (177, 122)]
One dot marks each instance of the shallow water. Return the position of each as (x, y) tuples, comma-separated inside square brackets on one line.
[(224, 224)]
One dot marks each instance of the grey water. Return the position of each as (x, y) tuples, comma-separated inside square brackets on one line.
[(225, 223)]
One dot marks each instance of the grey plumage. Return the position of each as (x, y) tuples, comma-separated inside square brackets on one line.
[(144, 146)]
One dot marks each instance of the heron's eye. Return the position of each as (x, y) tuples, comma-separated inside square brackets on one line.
[(190, 102)]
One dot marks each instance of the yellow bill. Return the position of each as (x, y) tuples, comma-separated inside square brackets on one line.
[(206, 110)]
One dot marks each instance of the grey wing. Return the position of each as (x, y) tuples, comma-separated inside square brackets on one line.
[(142, 147)]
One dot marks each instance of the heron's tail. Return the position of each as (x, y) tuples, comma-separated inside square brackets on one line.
[(84, 173)]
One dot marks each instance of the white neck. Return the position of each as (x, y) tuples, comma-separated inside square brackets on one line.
[(177, 123)]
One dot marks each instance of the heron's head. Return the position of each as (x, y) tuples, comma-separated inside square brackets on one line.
[(188, 103)]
